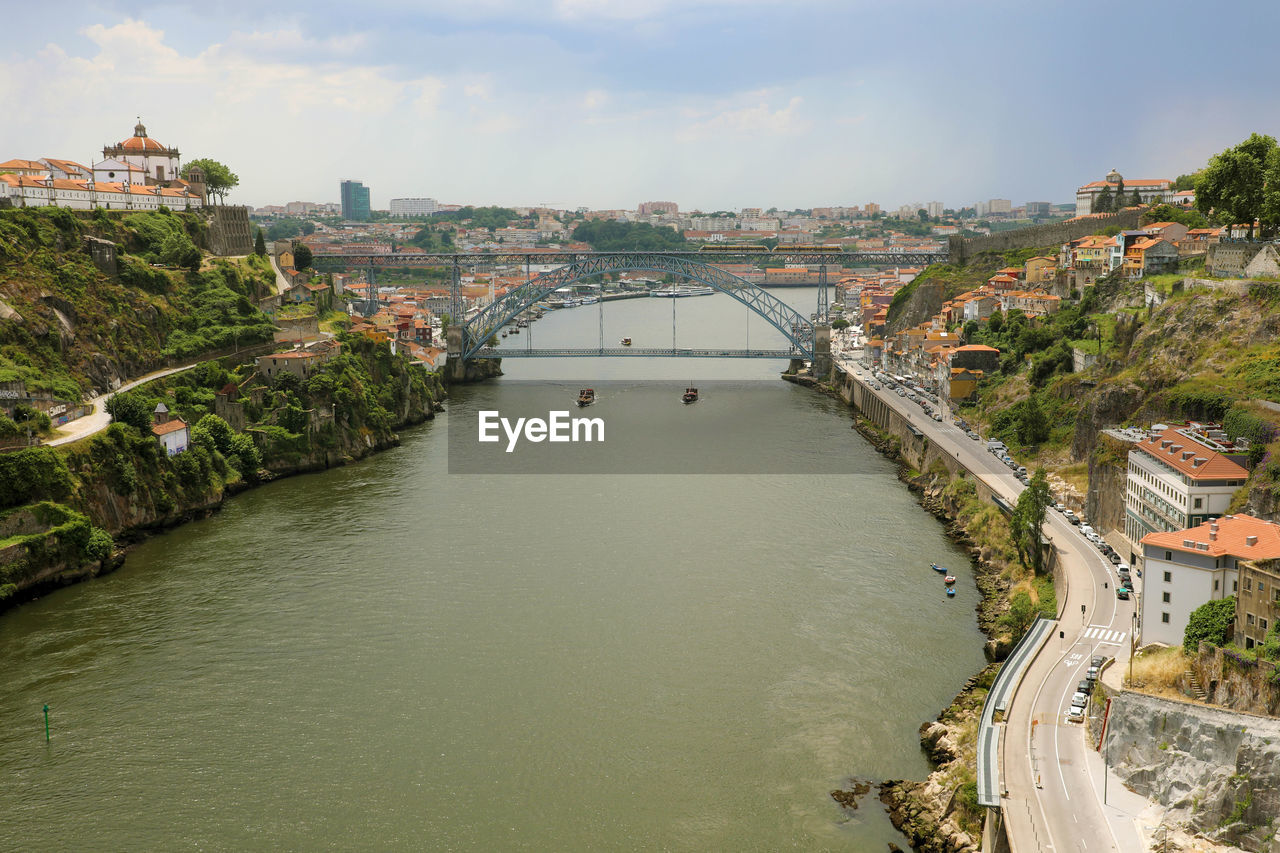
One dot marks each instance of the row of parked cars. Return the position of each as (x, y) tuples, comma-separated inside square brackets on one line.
[(1080, 699), (1124, 588), (1001, 452)]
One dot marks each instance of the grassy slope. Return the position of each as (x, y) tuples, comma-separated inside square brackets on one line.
[(115, 326)]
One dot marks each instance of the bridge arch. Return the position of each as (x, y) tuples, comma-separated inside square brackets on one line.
[(797, 328)]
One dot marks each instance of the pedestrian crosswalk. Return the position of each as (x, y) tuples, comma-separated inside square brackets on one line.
[(1104, 634)]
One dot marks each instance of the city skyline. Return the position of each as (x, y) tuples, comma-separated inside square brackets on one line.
[(715, 104)]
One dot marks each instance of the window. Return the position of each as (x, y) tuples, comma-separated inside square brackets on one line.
[(1168, 577), (1199, 502), (1168, 555), (1262, 586), (1164, 617), (1165, 596), (1215, 584), (1248, 584), (1248, 642), (1235, 585), (1262, 623)]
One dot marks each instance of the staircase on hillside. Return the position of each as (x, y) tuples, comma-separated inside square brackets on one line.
[(1196, 689)]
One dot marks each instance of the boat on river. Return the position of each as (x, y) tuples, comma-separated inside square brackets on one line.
[(949, 580), (586, 396), (938, 568), (675, 291), (951, 592), (690, 395)]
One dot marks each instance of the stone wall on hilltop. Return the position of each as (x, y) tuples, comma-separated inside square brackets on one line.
[(963, 248)]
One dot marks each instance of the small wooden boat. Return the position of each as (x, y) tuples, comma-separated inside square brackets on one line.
[(626, 342), (951, 592), (938, 568), (690, 395), (949, 580), (586, 396)]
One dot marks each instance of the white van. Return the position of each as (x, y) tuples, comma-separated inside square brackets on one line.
[(1086, 530)]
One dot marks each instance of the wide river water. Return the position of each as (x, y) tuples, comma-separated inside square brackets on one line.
[(388, 656)]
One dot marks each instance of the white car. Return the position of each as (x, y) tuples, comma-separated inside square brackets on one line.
[(1081, 699)]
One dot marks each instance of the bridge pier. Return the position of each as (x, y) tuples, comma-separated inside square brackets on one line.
[(821, 351)]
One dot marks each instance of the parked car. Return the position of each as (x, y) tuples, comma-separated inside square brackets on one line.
[(1114, 558), (1085, 686), (1122, 592), (1079, 698), (1095, 663), (1075, 714)]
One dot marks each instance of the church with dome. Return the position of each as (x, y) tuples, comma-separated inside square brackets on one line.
[(159, 165)]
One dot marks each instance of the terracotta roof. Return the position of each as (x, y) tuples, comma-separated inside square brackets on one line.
[(1130, 184), (1213, 465), (295, 354), (976, 348), (141, 143), (169, 426), (1231, 536)]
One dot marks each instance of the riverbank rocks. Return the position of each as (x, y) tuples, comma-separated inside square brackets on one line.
[(849, 799)]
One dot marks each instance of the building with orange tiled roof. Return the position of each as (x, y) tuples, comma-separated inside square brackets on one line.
[(1179, 476), (1148, 256), (1150, 190), (170, 431), (158, 162), (32, 168), (1182, 569), (27, 191)]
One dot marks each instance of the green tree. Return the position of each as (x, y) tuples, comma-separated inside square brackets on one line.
[(259, 245), (1021, 613), (1184, 182), (1210, 622), (922, 215), (302, 256), (1102, 203), (308, 228), (1174, 213), (1234, 188), (1135, 200), (131, 407), (1028, 520), (218, 179)]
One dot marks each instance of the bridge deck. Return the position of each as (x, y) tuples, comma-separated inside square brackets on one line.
[(635, 352)]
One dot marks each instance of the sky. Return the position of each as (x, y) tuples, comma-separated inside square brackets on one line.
[(713, 104)]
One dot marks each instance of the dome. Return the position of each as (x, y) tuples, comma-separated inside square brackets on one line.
[(140, 141), (1113, 177)]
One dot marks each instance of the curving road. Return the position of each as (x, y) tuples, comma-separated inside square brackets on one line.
[(1052, 778), (98, 420)]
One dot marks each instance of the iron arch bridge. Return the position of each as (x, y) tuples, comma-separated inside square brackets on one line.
[(798, 329)]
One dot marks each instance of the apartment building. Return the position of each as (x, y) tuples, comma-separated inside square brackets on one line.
[(1179, 477), (1185, 568)]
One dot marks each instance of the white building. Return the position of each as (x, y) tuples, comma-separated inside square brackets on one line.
[(158, 162), (414, 206), (172, 432), (1177, 478), (935, 209), (1000, 205), (1186, 568), (23, 191), (1150, 190)]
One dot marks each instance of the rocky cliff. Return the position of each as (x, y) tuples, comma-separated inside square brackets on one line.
[(1217, 773)]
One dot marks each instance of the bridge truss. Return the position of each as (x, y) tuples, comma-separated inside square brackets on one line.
[(479, 329)]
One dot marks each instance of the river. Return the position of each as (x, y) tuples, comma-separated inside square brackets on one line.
[(390, 656)]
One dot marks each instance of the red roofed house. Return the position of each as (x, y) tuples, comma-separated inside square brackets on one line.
[(1149, 255), (976, 357), (1185, 568), (171, 432), (1179, 477)]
